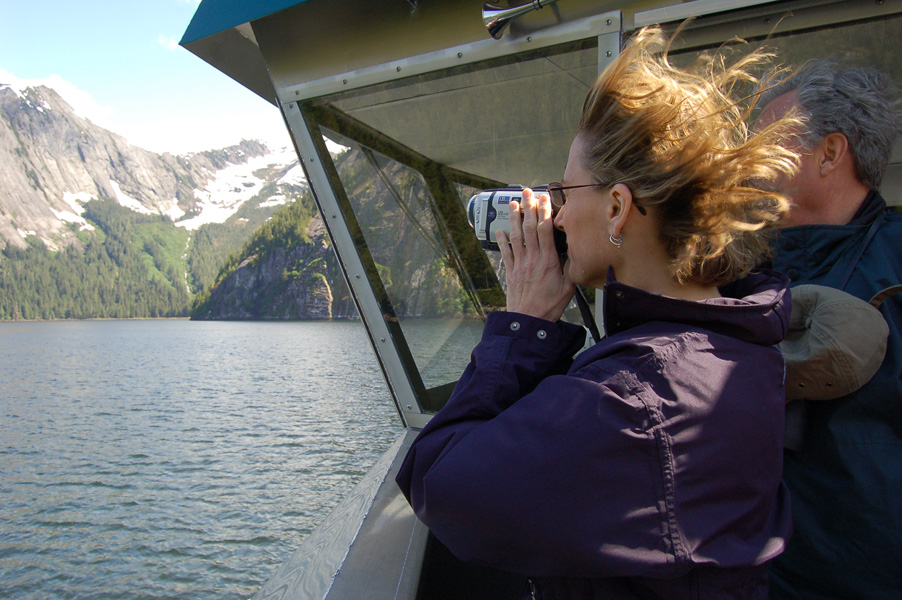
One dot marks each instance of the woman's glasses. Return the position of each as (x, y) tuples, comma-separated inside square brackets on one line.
[(559, 198), (556, 191)]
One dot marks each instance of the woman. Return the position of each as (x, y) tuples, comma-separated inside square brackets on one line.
[(648, 466)]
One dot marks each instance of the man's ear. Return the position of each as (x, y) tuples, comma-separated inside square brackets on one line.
[(621, 201), (834, 151)]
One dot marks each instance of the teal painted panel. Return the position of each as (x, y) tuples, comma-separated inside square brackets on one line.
[(214, 16)]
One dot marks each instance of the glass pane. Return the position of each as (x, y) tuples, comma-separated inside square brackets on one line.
[(393, 207), (867, 44), (510, 120), (413, 152)]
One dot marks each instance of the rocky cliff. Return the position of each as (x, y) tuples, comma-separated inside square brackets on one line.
[(53, 161), (293, 281)]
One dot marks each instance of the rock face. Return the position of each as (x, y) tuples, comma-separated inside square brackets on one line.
[(301, 282), (52, 161)]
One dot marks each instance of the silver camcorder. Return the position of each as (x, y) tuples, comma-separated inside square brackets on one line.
[(489, 212)]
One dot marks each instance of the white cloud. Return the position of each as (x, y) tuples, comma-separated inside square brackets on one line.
[(81, 101), (167, 42)]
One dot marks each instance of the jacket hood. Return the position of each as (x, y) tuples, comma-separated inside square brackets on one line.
[(754, 309)]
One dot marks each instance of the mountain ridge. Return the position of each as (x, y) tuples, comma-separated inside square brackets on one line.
[(91, 226), (55, 160)]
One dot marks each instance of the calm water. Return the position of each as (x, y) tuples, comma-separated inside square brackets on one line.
[(176, 459)]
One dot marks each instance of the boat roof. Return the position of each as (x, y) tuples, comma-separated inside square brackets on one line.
[(256, 43)]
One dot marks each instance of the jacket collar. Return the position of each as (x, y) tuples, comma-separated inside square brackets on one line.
[(873, 205), (754, 309), (806, 252)]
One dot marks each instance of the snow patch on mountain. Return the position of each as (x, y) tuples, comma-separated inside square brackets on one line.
[(76, 200), (277, 200), (175, 213), (236, 184), (127, 201), (295, 175), (69, 217)]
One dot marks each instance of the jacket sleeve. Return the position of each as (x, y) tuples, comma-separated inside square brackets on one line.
[(514, 471)]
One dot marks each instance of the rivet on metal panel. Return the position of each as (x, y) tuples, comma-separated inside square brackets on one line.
[(409, 407), (333, 216), (529, 39), (460, 55), (398, 69), (381, 339), (767, 21), (608, 22), (344, 82), (608, 53), (356, 276), (297, 92), (311, 159)]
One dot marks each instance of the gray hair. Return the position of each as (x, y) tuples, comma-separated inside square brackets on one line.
[(861, 103)]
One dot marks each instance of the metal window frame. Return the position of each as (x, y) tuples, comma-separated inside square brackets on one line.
[(401, 374), (698, 8), (352, 265), (475, 52), (764, 18)]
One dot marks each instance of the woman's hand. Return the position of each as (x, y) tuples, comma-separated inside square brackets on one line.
[(536, 285)]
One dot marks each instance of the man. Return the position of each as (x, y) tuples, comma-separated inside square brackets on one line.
[(843, 462)]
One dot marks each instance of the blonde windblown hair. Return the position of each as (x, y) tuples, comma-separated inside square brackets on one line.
[(679, 139)]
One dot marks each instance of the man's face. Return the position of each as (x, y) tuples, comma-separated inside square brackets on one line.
[(803, 189)]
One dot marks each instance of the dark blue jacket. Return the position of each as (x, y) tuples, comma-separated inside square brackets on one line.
[(648, 467), (845, 474)]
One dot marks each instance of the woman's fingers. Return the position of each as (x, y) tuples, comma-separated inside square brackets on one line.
[(516, 228), (504, 245), (535, 283), (530, 221), (545, 224)]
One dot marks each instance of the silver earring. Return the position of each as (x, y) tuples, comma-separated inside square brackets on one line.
[(617, 241)]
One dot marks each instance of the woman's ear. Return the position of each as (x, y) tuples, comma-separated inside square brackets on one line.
[(621, 201)]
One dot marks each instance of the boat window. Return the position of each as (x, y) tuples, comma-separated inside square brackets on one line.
[(870, 43), (406, 158), (424, 285)]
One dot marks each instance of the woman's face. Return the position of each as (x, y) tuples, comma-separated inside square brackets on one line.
[(584, 218)]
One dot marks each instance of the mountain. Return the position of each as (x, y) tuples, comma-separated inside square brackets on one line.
[(91, 226), (53, 161)]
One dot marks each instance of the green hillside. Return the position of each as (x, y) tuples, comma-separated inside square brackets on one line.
[(130, 267)]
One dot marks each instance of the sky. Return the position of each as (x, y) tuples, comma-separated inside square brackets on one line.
[(118, 63)]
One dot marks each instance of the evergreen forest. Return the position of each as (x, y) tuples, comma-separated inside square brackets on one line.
[(131, 266)]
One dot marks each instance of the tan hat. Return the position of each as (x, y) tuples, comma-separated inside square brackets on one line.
[(835, 344)]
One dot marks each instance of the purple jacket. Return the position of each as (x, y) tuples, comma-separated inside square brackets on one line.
[(648, 467)]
